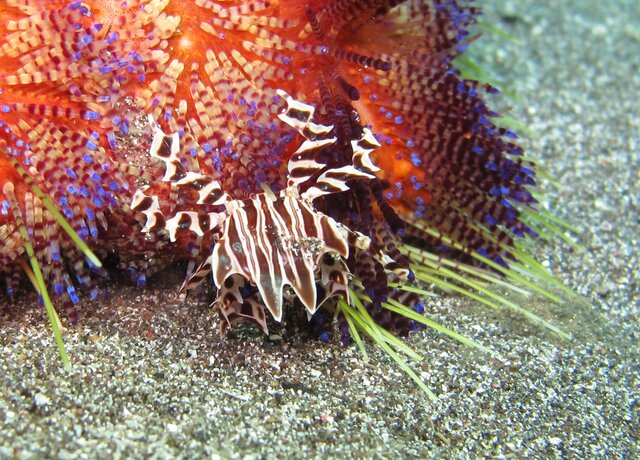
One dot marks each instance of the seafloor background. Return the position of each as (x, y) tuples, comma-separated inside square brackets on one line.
[(151, 378)]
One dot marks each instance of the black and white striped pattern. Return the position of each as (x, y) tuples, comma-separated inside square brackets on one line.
[(233, 306), (149, 205), (270, 240), (166, 149), (277, 243), (198, 223), (335, 180)]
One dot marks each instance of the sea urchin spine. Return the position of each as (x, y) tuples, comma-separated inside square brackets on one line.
[(399, 166)]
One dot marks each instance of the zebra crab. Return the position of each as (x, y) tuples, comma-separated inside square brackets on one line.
[(273, 241)]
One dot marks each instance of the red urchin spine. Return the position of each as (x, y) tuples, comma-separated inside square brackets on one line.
[(211, 75)]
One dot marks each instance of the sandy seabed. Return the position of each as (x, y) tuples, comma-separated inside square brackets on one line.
[(151, 377)]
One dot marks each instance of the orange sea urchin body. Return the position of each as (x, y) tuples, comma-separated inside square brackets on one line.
[(79, 80)]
